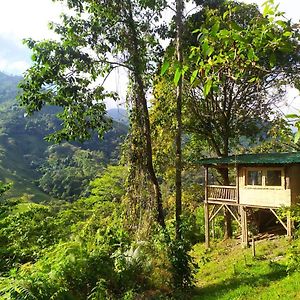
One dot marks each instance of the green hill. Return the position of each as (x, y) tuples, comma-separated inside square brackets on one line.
[(227, 271), (8, 87), (33, 164)]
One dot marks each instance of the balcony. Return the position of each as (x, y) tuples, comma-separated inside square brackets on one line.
[(222, 194)]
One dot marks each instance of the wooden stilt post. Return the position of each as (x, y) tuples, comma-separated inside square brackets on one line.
[(206, 214), (289, 225), (237, 183), (244, 226), (206, 210), (253, 247)]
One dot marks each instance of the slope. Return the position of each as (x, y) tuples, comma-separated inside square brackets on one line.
[(228, 272), (24, 153)]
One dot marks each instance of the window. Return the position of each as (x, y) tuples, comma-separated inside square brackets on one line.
[(264, 177), (273, 178), (254, 178)]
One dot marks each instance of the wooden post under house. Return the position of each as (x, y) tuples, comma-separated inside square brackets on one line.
[(263, 181), (206, 210)]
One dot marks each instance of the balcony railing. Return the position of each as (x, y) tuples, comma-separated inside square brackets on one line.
[(222, 193)]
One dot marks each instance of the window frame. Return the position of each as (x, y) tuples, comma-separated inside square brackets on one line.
[(264, 171), (247, 177)]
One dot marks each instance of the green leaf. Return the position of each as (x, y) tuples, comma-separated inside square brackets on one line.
[(177, 76), (210, 51), (281, 23), (235, 26), (297, 136), (287, 34), (184, 69), (207, 87), (225, 14), (250, 54), (196, 31), (205, 48), (194, 76), (267, 10), (272, 60), (215, 28), (223, 33), (292, 116), (164, 67), (252, 79)]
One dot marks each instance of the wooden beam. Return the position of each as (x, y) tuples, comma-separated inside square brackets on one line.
[(212, 211), (237, 183), (234, 216), (206, 184), (289, 225), (282, 223), (244, 225), (206, 209), (206, 216), (212, 217)]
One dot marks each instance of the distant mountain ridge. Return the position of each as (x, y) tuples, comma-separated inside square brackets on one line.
[(8, 87), (119, 115), (24, 154)]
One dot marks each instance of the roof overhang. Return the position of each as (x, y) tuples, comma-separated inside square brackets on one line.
[(257, 159)]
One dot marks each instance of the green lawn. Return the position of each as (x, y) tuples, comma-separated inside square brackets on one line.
[(229, 272)]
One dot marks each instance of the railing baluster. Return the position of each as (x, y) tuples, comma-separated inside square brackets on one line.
[(226, 193)]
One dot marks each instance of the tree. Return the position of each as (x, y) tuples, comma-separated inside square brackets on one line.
[(179, 88), (67, 171), (97, 38), (241, 60)]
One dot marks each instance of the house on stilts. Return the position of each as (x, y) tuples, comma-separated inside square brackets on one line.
[(263, 181)]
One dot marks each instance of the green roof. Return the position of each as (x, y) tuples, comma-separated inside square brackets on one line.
[(254, 159)]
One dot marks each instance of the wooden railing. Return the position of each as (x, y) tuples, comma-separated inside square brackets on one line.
[(222, 193)]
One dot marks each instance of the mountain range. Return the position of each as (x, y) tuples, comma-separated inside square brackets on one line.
[(36, 167)]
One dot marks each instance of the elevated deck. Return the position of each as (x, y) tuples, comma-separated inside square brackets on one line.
[(222, 194)]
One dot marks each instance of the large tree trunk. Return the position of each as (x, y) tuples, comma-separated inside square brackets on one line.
[(142, 108), (178, 161)]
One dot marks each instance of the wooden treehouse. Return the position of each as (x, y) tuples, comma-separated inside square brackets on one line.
[(262, 181)]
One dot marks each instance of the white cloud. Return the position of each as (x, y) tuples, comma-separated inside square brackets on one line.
[(16, 67), (20, 19)]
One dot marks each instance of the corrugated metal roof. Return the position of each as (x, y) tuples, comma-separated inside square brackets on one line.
[(253, 159)]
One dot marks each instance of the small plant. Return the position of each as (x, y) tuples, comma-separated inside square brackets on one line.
[(293, 258)]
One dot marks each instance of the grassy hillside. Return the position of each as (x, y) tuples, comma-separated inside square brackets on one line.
[(228, 272)]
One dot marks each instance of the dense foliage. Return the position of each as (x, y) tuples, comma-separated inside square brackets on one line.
[(68, 170), (116, 236), (83, 250)]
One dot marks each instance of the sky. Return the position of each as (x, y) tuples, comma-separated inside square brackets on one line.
[(21, 19)]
